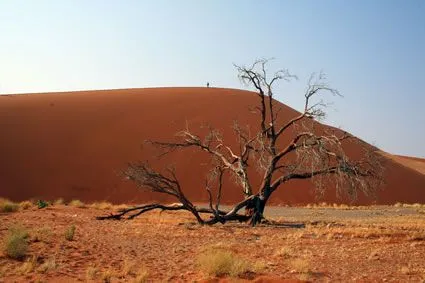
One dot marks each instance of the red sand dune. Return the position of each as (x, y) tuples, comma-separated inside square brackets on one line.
[(73, 144), (414, 163)]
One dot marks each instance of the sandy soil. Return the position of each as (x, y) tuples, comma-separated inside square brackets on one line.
[(73, 145), (339, 245)]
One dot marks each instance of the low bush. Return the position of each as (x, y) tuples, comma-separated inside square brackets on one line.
[(8, 206), (219, 262), (101, 205), (16, 242), (42, 204), (24, 205), (76, 203), (70, 232)]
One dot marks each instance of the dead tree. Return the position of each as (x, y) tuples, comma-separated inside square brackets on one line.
[(315, 154)]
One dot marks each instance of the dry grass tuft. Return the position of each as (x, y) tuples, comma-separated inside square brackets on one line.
[(91, 273), (24, 205), (8, 206), (285, 252), (49, 265), (142, 275), (42, 234), (70, 232), (101, 205), (59, 201), (120, 207), (300, 265), (219, 262), (107, 276), (76, 203), (28, 266), (16, 243)]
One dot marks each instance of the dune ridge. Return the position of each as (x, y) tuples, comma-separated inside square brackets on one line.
[(73, 145)]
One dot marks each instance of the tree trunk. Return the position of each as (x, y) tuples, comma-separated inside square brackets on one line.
[(255, 209)]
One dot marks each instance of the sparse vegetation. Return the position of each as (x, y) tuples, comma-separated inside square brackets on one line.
[(59, 201), (16, 242), (41, 234), (142, 275), (219, 262), (8, 206), (107, 276), (49, 265), (42, 204), (24, 205), (91, 272), (300, 265), (70, 232), (77, 203), (28, 266), (101, 205)]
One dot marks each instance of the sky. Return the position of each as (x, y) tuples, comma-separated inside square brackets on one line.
[(373, 52)]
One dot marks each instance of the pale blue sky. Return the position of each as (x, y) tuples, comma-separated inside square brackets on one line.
[(372, 51)]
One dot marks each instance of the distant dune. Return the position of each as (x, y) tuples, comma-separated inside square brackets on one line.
[(73, 144)]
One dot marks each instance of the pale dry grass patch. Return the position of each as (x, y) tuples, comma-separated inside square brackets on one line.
[(59, 201), (16, 242), (300, 265), (8, 206), (41, 234), (120, 207), (101, 205), (220, 262), (70, 233), (107, 275), (24, 205), (77, 203), (47, 266), (142, 275), (285, 252), (28, 266), (91, 272)]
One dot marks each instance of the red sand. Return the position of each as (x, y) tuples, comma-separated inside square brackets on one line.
[(72, 145)]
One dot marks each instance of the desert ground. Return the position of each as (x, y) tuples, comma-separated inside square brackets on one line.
[(323, 243), (59, 147)]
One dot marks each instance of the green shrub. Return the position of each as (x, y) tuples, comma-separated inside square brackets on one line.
[(69, 233), (16, 243), (42, 204)]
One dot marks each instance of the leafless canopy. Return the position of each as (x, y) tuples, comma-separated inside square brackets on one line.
[(311, 153)]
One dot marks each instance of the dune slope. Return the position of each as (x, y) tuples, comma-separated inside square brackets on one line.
[(74, 144)]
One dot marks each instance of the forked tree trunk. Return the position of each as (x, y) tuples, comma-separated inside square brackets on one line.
[(255, 209)]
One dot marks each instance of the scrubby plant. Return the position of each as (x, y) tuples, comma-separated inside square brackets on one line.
[(16, 242), (107, 275), (28, 266), (42, 204), (24, 205), (91, 272), (59, 201), (70, 232), (48, 265), (142, 276), (101, 205), (8, 206), (219, 262), (76, 203), (41, 234)]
